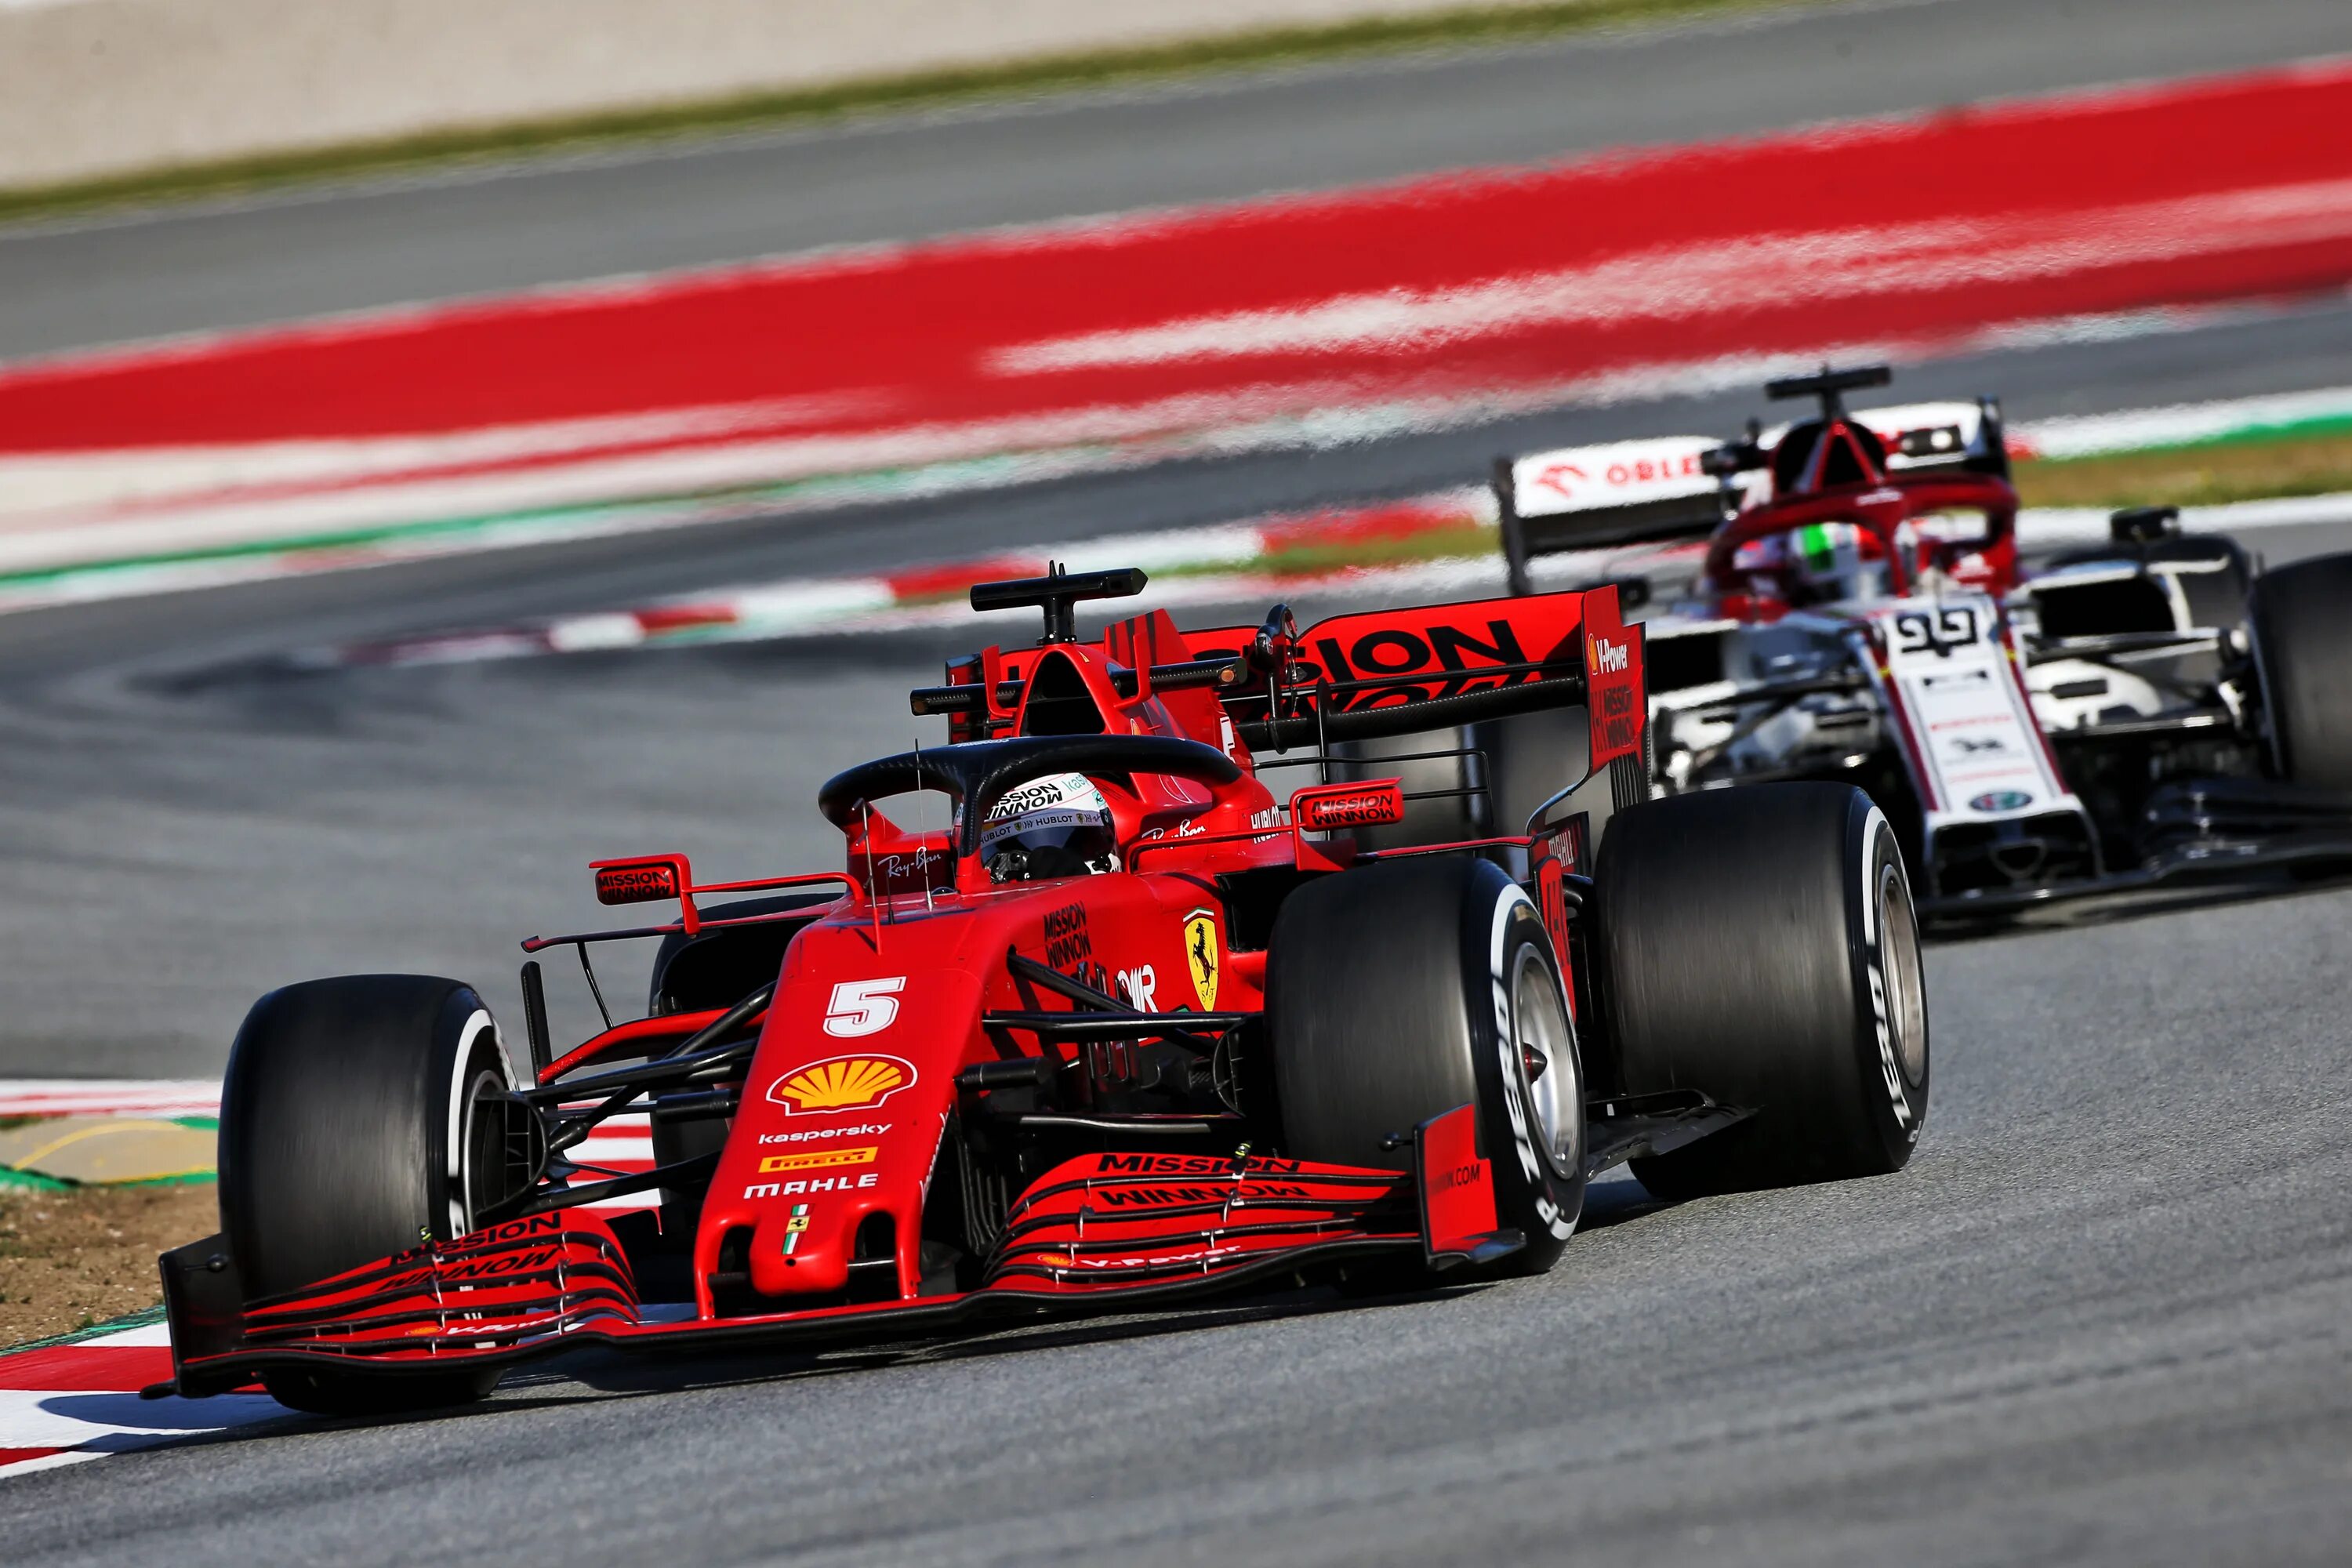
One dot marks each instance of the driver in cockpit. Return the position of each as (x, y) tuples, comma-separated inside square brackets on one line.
[(1058, 826)]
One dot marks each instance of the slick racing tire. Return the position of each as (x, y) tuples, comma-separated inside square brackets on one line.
[(1399, 992), (1760, 945), (2303, 645), (353, 1127)]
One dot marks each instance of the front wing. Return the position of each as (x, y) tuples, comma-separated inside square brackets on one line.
[(1102, 1233), (2210, 838)]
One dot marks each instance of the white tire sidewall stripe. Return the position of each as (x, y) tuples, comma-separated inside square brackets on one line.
[(459, 1081), (1533, 1165), (1879, 999)]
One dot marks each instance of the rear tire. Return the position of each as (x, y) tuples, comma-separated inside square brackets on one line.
[(1399, 992), (353, 1128), (2301, 616), (1760, 945)]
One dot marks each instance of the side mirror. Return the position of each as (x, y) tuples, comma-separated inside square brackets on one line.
[(1326, 808), (641, 881)]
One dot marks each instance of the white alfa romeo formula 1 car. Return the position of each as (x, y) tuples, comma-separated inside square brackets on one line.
[(2152, 715)]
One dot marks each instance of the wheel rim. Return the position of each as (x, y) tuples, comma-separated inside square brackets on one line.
[(483, 1167), (1906, 1002), (1541, 1034)]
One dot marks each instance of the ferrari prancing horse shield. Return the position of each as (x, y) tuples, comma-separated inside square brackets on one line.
[(1201, 956)]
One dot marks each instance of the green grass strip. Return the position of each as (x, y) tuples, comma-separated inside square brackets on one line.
[(2310, 457), (36, 1182), (1303, 558), (1452, 27), (2285, 430), (89, 1331)]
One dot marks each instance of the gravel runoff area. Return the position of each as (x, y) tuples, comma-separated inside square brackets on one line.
[(139, 97), (73, 1256), (132, 87)]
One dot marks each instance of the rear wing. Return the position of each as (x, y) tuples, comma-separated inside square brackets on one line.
[(1374, 674), (1585, 497), (1380, 674)]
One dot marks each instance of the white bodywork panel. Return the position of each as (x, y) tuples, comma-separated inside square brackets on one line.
[(1624, 473), (1967, 728)]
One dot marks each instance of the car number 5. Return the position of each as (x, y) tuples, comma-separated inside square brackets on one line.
[(864, 1006)]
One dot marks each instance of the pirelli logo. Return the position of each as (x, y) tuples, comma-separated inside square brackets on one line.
[(818, 1159)]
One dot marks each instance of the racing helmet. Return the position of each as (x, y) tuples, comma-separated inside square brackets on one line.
[(1833, 561), (1058, 826)]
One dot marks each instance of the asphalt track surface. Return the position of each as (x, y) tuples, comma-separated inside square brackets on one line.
[(2105, 1316), (185, 824), (112, 279)]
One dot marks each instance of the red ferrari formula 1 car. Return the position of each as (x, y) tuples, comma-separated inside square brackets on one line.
[(1135, 1027)]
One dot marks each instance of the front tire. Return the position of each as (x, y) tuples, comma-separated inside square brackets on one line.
[(1398, 992), (2303, 641), (357, 1118), (1760, 945)]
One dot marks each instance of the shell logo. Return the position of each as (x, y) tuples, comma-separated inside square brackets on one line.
[(841, 1083)]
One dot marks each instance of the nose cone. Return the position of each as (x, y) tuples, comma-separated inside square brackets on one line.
[(840, 1114), (803, 1206), (801, 1246)]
